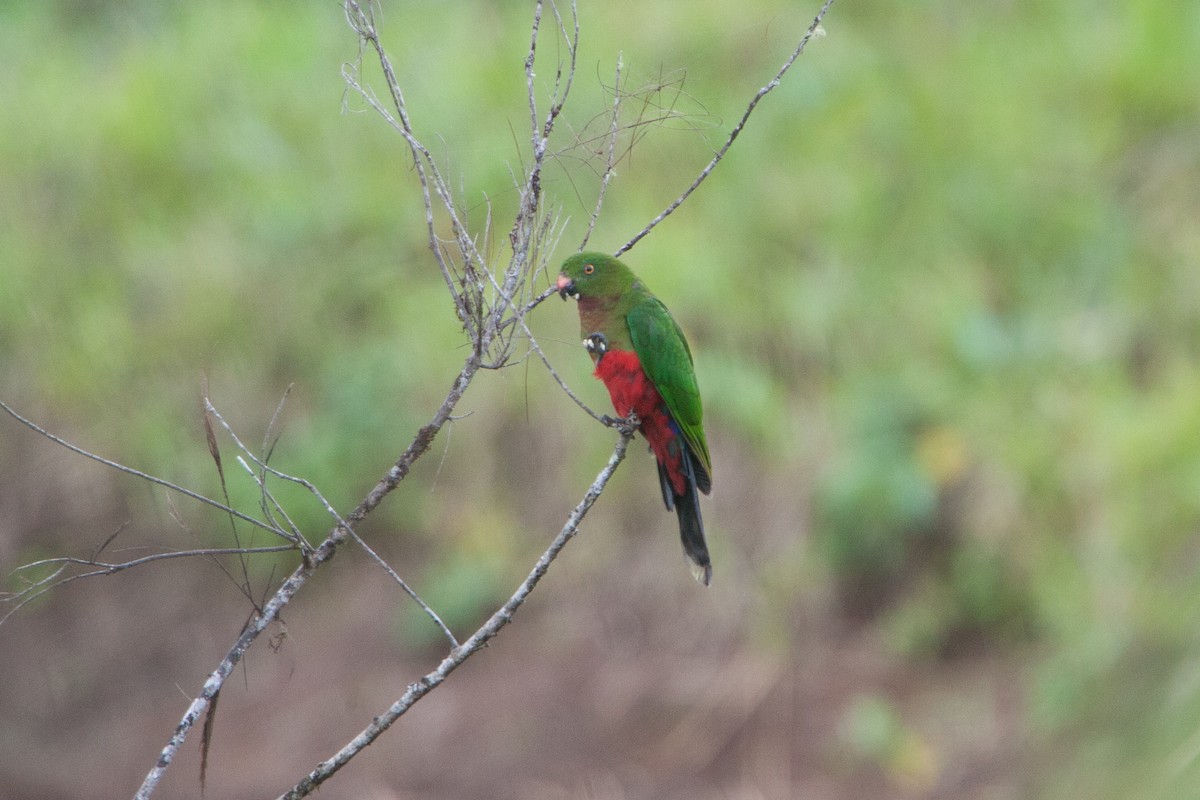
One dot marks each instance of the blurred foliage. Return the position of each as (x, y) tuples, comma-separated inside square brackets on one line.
[(874, 731), (951, 270)]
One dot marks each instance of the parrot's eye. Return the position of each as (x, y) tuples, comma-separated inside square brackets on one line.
[(588, 269)]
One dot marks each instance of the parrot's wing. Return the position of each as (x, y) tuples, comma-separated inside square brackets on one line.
[(667, 361)]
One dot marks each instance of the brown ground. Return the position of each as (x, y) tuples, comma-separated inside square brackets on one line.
[(629, 681)]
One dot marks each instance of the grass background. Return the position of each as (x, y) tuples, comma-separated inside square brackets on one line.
[(943, 301)]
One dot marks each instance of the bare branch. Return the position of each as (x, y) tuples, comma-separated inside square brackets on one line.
[(329, 509), (266, 469), (611, 162), (506, 311), (572, 40), (33, 426), (481, 637), (418, 150), (363, 23), (483, 325), (53, 581), (296, 581), (529, 59), (737, 129)]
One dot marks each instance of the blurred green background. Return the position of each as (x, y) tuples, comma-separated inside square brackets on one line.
[(943, 296)]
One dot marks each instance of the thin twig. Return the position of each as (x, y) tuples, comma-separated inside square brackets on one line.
[(546, 294), (557, 100), (33, 426), (51, 581), (378, 559), (363, 23), (523, 235), (270, 506), (530, 57), (267, 469), (733, 134), (535, 347), (503, 322), (610, 163)]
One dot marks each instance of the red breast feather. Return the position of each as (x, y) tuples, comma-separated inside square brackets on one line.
[(632, 391)]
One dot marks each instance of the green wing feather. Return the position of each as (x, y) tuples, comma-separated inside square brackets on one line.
[(667, 361)]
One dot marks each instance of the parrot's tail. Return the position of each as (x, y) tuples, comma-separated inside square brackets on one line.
[(691, 530), (691, 525)]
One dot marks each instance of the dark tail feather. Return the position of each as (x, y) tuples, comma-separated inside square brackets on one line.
[(691, 525), (664, 483), (691, 531)]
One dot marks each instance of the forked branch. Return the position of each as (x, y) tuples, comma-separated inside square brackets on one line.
[(475, 643), (492, 304)]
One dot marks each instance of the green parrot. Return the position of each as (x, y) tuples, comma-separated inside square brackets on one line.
[(645, 363)]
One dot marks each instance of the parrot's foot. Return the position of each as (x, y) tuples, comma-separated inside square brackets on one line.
[(624, 424)]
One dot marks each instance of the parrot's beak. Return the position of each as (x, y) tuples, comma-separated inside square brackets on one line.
[(597, 345), (566, 286)]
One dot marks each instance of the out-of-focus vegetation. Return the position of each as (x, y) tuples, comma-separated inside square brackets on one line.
[(944, 297)]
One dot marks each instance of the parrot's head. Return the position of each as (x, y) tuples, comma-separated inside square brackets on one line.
[(593, 275)]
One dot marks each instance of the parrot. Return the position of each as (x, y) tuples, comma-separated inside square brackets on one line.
[(643, 359)]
